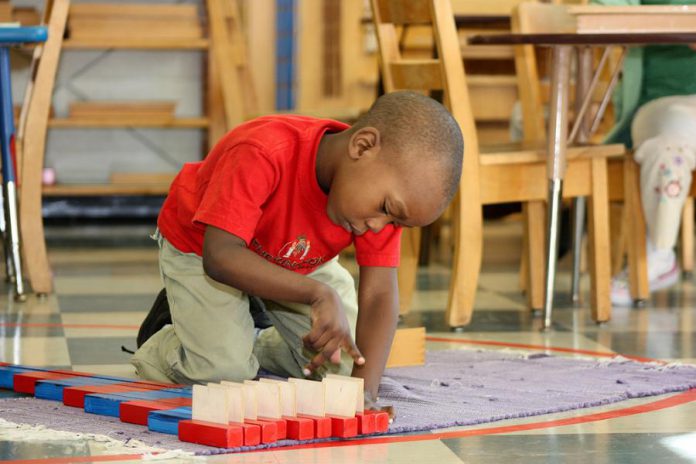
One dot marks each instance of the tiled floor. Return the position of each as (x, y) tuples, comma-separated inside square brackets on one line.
[(102, 295)]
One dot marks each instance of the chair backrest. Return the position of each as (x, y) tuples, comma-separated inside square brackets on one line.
[(444, 73)]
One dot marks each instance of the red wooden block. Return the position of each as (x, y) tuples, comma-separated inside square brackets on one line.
[(299, 428), (135, 412), (381, 420), (281, 427), (366, 423), (344, 427), (322, 425), (252, 433), (269, 431), (211, 434), (26, 381), (75, 396)]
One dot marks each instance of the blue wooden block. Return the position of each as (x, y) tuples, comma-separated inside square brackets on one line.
[(108, 404), (168, 421), (53, 389), (7, 374)]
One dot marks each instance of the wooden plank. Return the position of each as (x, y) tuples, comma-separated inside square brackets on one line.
[(101, 109), (342, 395), (288, 396), (408, 348), (81, 190), (122, 121), (136, 43), (251, 406), (268, 399), (311, 399), (163, 178), (235, 403), (210, 403)]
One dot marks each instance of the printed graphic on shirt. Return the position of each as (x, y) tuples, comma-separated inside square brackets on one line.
[(293, 255)]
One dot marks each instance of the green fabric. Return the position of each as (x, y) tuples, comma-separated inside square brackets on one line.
[(649, 73)]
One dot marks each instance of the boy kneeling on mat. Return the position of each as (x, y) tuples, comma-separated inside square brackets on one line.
[(266, 214)]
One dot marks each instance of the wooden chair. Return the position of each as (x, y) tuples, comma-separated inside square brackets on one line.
[(497, 175)]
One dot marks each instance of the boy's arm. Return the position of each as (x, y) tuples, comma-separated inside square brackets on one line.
[(226, 259), (378, 314)]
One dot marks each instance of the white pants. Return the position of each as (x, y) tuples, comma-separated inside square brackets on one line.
[(664, 134)]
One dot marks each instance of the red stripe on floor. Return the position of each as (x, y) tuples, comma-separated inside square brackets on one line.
[(602, 354)]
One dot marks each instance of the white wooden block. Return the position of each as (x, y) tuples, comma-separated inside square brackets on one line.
[(288, 396), (310, 397), (235, 403), (340, 397), (249, 395), (360, 398), (267, 398), (209, 404)]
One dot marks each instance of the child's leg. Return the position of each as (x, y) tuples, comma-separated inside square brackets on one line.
[(212, 335), (664, 132), (279, 349)]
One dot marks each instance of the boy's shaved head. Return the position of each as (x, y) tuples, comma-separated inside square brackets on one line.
[(418, 130)]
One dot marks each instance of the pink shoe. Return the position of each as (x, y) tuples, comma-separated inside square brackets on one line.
[(620, 291)]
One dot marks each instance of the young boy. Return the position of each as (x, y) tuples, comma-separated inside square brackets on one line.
[(266, 214)]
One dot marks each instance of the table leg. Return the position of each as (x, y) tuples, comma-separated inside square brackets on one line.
[(556, 164), (8, 172), (582, 87)]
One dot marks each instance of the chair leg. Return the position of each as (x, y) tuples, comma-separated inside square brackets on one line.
[(523, 276), (618, 229), (535, 218), (687, 236), (406, 274), (636, 240), (599, 240), (467, 233)]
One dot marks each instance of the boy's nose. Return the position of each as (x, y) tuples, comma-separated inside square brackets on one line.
[(377, 224)]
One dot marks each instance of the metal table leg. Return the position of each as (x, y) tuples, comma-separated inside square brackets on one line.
[(556, 164), (9, 186)]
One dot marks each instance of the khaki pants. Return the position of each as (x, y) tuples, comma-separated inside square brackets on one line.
[(212, 337)]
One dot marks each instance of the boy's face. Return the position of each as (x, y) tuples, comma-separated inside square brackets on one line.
[(370, 193)]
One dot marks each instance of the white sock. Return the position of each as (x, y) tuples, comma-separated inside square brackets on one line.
[(660, 260)]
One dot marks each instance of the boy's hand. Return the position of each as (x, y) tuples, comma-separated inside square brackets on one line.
[(330, 333)]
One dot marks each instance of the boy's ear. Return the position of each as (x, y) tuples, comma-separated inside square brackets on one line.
[(366, 141)]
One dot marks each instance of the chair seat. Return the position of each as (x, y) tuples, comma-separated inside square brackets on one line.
[(518, 153)]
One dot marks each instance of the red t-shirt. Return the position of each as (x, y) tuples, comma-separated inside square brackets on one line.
[(259, 183)]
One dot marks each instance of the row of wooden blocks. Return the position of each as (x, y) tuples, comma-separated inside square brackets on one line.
[(225, 415)]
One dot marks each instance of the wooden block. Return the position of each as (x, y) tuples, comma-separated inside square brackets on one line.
[(235, 403), (408, 348), (7, 373), (75, 396), (299, 428), (344, 427), (113, 109), (251, 433), (109, 404), (340, 396), (25, 382), (136, 412), (211, 434), (310, 397), (269, 430), (360, 396), (53, 389), (322, 425), (288, 396), (167, 421), (249, 395), (381, 420), (366, 423), (281, 426), (267, 399), (210, 404)]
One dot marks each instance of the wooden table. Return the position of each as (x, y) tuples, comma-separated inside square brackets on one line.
[(562, 45)]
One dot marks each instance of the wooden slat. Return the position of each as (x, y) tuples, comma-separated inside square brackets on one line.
[(416, 75), (131, 121), (106, 109), (142, 178), (105, 189), (519, 153), (136, 43), (393, 11)]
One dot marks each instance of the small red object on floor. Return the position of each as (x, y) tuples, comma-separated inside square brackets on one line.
[(366, 423), (211, 434), (135, 412), (299, 428), (26, 381), (322, 425), (269, 431), (344, 427), (381, 420)]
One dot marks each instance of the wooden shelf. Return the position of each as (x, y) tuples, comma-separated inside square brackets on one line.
[(114, 122), (86, 190), (137, 43)]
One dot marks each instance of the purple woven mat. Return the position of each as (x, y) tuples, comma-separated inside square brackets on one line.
[(458, 387)]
